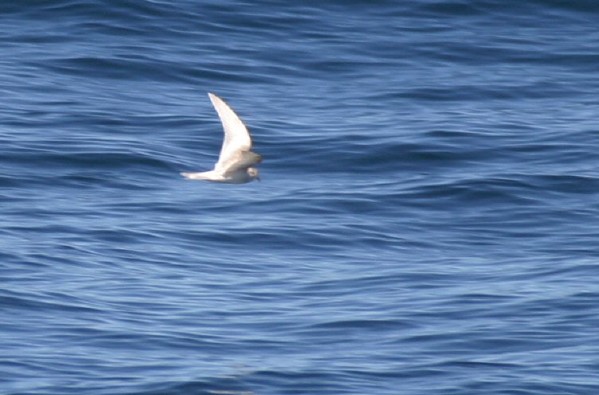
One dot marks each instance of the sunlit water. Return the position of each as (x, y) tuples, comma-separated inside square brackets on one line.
[(427, 220)]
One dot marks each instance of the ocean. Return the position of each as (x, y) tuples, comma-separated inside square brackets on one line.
[(427, 220)]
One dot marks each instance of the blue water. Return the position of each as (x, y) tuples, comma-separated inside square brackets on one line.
[(427, 220)]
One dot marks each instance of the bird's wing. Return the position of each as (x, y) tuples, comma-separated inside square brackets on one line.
[(237, 137)]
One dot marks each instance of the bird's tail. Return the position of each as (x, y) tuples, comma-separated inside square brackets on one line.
[(206, 175)]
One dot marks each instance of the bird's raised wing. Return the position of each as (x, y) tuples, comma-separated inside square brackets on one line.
[(237, 138)]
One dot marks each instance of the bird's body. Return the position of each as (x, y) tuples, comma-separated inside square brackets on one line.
[(237, 177), (236, 161)]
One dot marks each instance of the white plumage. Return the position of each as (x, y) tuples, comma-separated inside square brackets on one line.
[(236, 160)]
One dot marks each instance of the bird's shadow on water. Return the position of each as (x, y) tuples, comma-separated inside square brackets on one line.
[(224, 385)]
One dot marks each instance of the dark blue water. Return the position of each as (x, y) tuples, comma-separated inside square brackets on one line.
[(427, 220)]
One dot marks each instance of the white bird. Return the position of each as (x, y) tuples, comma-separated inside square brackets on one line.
[(236, 160)]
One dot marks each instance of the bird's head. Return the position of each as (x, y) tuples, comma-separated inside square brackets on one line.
[(253, 173)]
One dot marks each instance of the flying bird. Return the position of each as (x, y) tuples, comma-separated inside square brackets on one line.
[(236, 160)]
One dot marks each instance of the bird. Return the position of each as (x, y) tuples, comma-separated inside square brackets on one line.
[(236, 162)]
